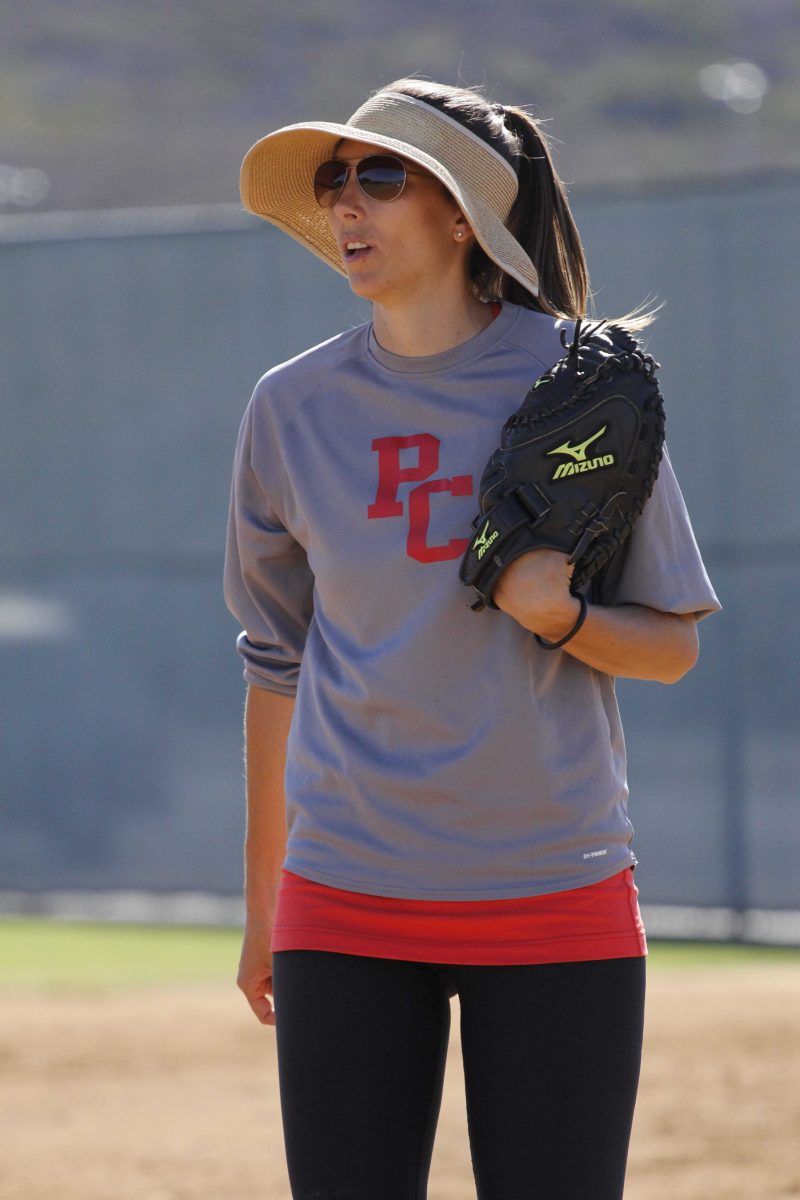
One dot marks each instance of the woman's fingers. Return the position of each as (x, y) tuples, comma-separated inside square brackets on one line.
[(257, 991), (255, 976), (534, 590), (263, 1008)]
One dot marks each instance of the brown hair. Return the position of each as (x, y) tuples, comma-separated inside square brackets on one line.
[(540, 219)]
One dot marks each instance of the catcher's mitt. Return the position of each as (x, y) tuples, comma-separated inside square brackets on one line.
[(576, 462)]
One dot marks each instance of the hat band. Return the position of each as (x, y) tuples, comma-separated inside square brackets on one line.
[(467, 158), (460, 129)]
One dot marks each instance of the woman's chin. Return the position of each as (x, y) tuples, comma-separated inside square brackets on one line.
[(361, 286)]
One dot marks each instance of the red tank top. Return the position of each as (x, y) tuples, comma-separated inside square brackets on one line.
[(598, 921)]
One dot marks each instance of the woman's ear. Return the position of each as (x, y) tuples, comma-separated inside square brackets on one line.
[(462, 231)]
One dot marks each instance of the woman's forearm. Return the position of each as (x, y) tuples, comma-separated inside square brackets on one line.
[(628, 640), (267, 720), (636, 643)]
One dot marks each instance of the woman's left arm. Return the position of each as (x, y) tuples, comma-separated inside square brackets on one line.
[(627, 640)]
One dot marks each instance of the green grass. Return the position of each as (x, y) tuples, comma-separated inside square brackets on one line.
[(681, 955), (36, 953), (56, 954)]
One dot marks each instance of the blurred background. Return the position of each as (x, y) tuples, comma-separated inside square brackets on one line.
[(139, 305)]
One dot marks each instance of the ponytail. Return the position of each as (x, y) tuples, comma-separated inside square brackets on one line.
[(542, 222), (540, 219)]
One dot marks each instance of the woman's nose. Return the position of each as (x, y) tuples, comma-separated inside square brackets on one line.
[(351, 197)]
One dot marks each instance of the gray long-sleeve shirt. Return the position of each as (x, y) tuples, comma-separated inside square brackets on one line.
[(435, 753)]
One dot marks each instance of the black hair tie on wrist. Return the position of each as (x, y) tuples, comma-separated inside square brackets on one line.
[(581, 618)]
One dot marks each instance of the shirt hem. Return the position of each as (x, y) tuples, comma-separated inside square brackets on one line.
[(268, 685), (524, 891)]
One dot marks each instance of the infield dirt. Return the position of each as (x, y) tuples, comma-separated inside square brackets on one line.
[(172, 1095)]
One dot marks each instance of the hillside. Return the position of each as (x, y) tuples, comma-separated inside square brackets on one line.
[(129, 102)]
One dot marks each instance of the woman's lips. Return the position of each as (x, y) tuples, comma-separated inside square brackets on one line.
[(354, 250)]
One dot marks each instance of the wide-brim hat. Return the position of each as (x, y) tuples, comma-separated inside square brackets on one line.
[(277, 176)]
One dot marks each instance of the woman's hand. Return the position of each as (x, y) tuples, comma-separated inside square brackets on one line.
[(628, 640), (255, 968), (534, 590)]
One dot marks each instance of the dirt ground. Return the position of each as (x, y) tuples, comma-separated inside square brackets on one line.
[(158, 1095)]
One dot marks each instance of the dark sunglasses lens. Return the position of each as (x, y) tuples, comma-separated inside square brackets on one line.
[(329, 181), (381, 176)]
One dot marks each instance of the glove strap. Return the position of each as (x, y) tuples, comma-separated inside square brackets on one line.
[(581, 618), (526, 506)]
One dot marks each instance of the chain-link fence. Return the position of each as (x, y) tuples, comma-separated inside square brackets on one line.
[(130, 343)]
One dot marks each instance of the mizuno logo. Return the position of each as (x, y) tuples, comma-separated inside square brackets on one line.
[(580, 461), (482, 543), (578, 452), (588, 464)]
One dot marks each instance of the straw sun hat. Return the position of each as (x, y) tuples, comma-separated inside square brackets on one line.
[(278, 172)]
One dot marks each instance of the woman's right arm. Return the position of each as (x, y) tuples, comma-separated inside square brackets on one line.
[(268, 716)]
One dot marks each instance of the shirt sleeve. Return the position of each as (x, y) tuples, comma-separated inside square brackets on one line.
[(660, 565), (268, 583)]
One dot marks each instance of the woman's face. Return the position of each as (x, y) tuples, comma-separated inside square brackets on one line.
[(410, 241)]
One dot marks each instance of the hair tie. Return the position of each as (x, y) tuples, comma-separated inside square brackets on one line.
[(498, 108), (581, 618)]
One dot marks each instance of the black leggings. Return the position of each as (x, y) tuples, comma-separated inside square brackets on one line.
[(551, 1062)]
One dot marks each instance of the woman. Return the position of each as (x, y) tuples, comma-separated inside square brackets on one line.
[(454, 793)]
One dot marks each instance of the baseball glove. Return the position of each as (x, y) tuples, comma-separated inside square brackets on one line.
[(575, 466)]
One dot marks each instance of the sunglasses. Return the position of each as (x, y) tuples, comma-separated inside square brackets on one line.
[(380, 176)]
